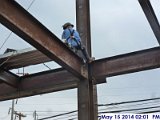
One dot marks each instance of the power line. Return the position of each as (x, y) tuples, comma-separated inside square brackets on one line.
[(6, 40), (8, 59), (68, 117), (129, 106), (149, 112), (114, 111), (47, 66), (12, 32), (58, 115), (30, 4), (134, 101), (136, 109)]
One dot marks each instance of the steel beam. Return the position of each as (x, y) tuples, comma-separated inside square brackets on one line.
[(9, 78), (151, 17), (127, 63), (22, 58), (17, 19), (44, 82), (40, 83), (87, 92), (83, 22), (121, 64)]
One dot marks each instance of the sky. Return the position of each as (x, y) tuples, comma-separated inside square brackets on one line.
[(117, 27)]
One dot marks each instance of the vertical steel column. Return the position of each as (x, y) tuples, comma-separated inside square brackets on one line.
[(83, 22), (87, 92)]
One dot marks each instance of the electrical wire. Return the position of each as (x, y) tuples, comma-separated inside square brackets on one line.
[(14, 52), (67, 117), (134, 101), (154, 111), (58, 115), (30, 4), (47, 66), (6, 40), (148, 103), (136, 109), (12, 32), (113, 111)]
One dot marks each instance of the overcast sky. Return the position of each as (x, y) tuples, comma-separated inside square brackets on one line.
[(117, 27)]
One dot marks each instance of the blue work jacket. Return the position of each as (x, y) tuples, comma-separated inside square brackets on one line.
[(66, 35)]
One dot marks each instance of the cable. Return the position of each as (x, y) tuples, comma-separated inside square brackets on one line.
[(58, 115), (12, 32), (67, 117), (140, 104), (47, 66), (14, 52), (113, 104), (30, 4), (117, 111), (129, 106), (129, 102), (6, 40), (154, 111)]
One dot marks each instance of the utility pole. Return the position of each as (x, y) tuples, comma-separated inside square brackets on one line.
[(35, 115), (20, 115), (12, 112)]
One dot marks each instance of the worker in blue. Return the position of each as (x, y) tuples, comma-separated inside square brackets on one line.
[(72, 39)]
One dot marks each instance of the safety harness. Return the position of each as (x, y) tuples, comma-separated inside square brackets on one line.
[(78, 42)]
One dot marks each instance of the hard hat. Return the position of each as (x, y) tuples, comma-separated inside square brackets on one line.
[(66, 25)]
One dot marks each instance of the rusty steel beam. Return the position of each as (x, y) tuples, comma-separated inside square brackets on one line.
[(40, 83), (21, 22), (87, 91), (22, 58), (108, 67), (127, 63), (151, 17), (44, 82), (83, 23), (8, 78)]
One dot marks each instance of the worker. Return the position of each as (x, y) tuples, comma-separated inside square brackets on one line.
[(72, 39)]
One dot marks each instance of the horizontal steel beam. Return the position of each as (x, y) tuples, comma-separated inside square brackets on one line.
[(21, 22), (8, 78), (61, 79), (151, 17), (45, 82), (22, 58), (127, 63), (40, 83)]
